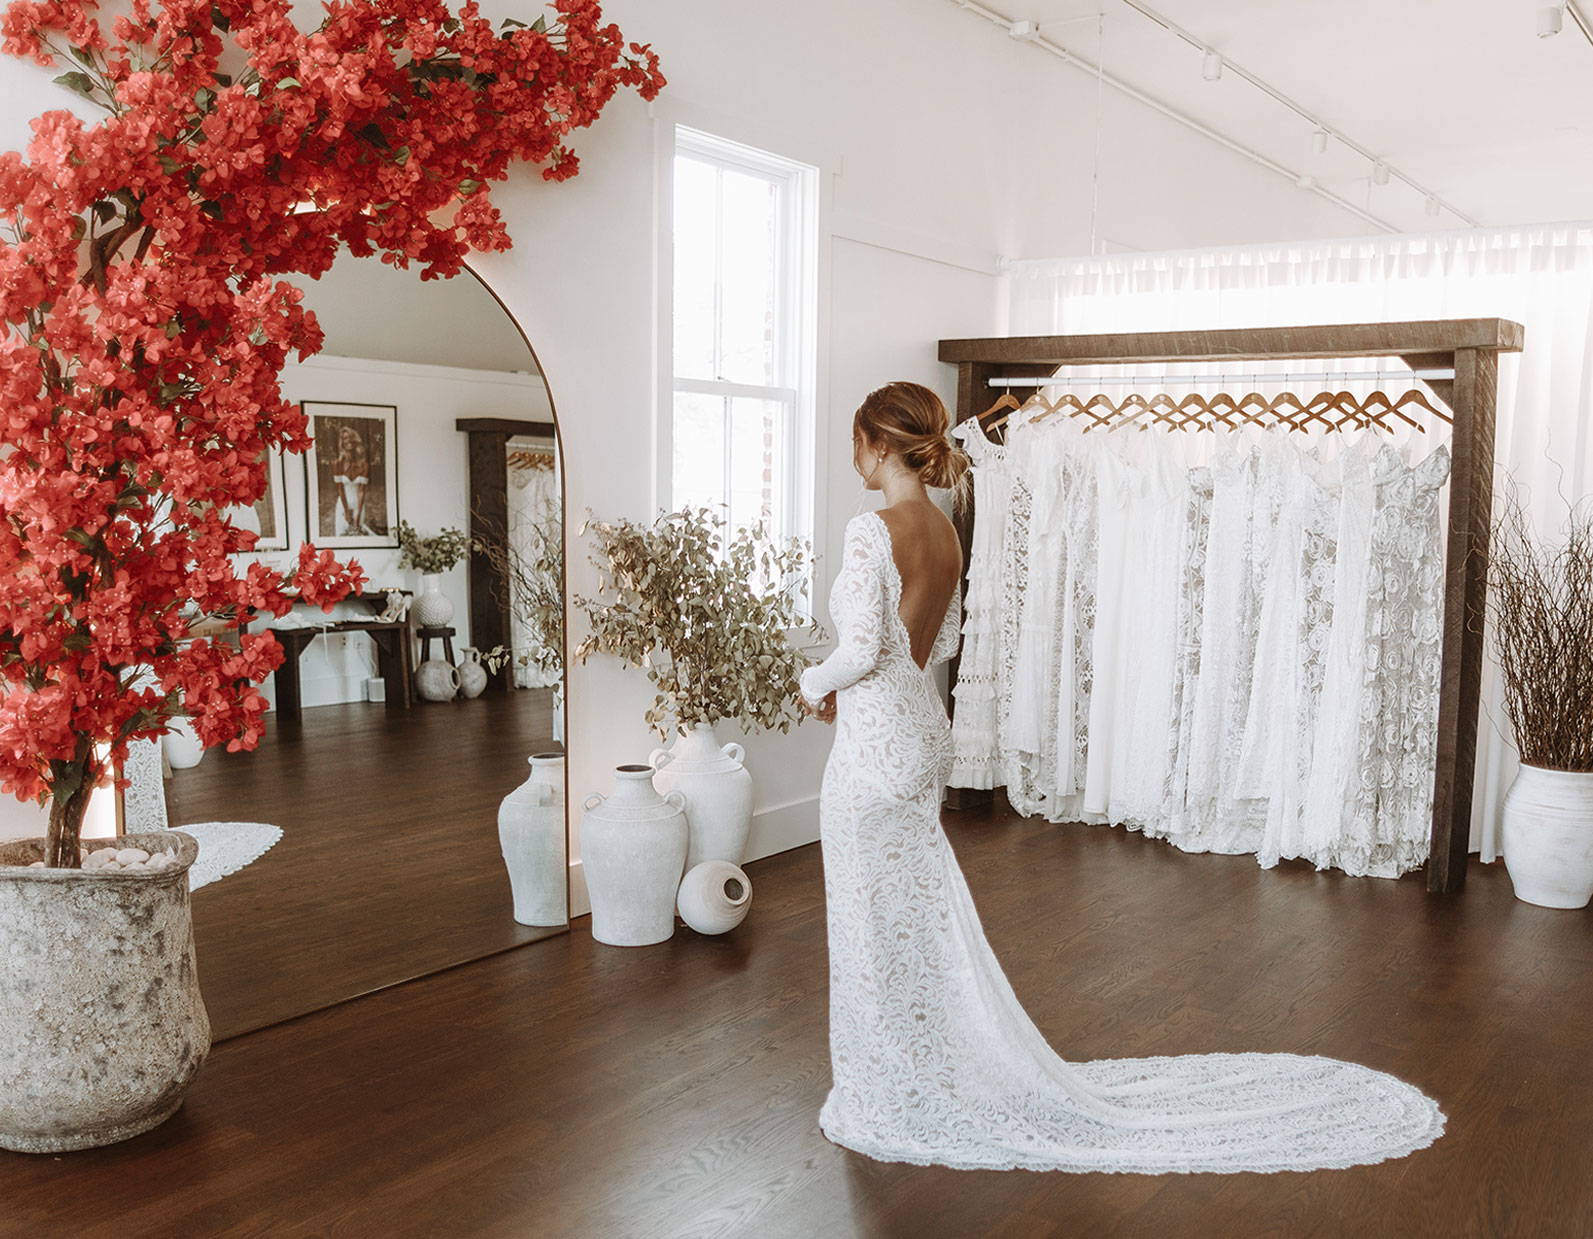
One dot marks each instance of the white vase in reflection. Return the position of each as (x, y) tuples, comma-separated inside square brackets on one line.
[(432, 608), (531, 833)]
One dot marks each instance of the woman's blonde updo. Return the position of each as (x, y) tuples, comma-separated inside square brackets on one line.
[(909, 420)]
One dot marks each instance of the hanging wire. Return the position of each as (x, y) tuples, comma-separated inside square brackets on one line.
[(1095, 172)]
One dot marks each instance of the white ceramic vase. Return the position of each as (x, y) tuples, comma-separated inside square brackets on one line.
[(633, 852), (436, 680), (472, 675), (432, 608), (181, 744), (714, 897), (1548, 836), (101, 1024), (718, 793), (531, 832)]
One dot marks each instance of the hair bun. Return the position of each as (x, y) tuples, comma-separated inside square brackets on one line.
[(938, 461)]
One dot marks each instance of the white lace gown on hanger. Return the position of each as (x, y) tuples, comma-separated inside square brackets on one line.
[(934, 1061)]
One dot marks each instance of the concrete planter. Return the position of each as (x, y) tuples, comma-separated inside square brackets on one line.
[(101, 1024)]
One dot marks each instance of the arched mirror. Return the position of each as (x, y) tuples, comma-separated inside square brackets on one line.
[(367, 841)]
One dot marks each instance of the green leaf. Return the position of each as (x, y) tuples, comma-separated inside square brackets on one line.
[(168, 164), (540, 25), (468, 187), (401, 156), (82, 83), (288, 83), (219, 20)]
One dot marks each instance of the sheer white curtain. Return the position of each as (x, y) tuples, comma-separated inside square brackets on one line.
[(1541, 276)]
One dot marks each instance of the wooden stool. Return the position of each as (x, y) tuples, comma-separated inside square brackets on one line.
[(428, 635)]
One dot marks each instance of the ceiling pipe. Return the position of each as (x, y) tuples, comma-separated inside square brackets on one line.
[(1139, 96), (1316, 122)]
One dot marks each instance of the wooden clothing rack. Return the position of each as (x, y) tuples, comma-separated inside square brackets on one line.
[(1472, 347)]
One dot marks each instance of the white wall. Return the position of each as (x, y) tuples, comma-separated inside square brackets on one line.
[(945, 146)]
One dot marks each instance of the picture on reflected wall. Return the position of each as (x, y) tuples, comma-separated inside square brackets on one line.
[(351, 474), (267, 517)]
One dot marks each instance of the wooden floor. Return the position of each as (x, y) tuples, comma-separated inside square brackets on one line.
[(571, 1089), (388, 867)]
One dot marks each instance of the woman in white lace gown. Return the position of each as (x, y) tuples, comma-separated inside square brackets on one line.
[(933, 1059)]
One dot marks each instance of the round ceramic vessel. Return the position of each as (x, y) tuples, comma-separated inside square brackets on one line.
[(102, 1027), (718, 792), (472, 675), (436, 680), (714, 897), (531, 832), (432, 608), (181, 744), (633, 852), (1548, 836)]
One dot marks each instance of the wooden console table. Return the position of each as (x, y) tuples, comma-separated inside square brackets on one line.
[(391, 638)]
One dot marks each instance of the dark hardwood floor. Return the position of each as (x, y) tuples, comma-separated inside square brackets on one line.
[(577, 1090), (388, 867)]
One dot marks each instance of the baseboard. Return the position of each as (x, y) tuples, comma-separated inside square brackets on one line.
[(776, 829)]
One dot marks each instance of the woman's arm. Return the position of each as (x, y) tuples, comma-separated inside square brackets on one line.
[(857, 609)]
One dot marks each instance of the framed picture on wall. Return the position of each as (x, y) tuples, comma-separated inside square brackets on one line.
[(267, 517), (351, 474)]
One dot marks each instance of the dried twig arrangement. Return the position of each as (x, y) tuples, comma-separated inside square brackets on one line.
[(1542, 614)]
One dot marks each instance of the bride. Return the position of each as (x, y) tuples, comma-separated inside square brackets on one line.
[(933, 1059)]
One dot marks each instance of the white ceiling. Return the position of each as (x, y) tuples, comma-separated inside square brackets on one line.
[(369, 309), (1460, 94)]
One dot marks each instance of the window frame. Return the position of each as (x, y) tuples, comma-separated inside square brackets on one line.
[(796, 357)]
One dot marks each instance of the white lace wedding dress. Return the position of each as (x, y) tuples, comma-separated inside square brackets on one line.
[(934, 1060)]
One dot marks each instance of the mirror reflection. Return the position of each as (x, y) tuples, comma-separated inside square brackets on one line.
[(404, 812)]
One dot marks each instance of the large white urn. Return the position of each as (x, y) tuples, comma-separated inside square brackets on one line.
[(718, 792), (101, 1024), (531, 832), (633, 853), (1548, 836)]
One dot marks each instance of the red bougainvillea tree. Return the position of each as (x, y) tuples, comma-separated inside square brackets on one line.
[(143, 329)]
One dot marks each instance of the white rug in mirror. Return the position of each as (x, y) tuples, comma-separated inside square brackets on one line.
[(226, 847)]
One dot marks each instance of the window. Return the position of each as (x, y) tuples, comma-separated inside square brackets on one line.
[(744, 271)]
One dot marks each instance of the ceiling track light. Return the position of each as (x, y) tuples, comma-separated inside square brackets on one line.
[(1024, 31), (1379, 173), (1305, 181), (1211, 65), (1551, 19), (1319, 141), (1433, 205)]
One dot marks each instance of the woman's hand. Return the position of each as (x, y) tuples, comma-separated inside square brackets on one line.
[(824, 711)]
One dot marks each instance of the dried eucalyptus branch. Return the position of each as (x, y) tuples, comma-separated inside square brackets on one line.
[(706, 611), (532, 574), (1542, 613)]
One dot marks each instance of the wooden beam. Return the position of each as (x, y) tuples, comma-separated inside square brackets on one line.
[(1244, 344), (1465, 596), (488, 481), (505, 426)]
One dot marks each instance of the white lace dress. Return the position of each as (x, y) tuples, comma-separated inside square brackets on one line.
[(933, 1059)]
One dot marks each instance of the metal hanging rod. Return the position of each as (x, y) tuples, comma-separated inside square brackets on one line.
[(1311, 376)]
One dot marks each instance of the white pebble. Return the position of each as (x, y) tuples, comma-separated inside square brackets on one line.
[(132, 856), (38, 864)]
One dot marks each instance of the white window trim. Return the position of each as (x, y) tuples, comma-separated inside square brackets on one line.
[(809, 491)]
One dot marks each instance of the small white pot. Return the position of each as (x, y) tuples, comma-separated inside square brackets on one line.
[(714, 897), (718, 792), (531, 832), (472, 675), (432, 608), (1548, 836), (181, 744), (633, 851)]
